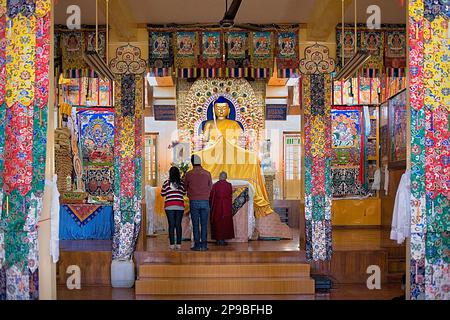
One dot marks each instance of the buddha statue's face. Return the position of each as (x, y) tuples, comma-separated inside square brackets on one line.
[(222, 110)]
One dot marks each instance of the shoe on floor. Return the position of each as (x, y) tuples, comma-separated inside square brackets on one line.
[(194, 248), (172, 247), (178, 247)]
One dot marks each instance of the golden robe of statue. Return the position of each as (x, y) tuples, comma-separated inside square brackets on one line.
[(223, 154)]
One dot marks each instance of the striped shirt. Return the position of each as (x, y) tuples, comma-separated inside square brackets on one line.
[(173, 196)]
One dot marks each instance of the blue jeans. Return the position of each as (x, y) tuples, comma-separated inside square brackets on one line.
[(174, 218), (199, 216)]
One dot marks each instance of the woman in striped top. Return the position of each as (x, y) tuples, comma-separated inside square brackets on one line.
[(173, 192)]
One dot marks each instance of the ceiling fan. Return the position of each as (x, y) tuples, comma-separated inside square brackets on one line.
[(227, 21)]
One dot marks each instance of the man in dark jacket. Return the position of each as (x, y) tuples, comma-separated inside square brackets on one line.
[(198, 185)]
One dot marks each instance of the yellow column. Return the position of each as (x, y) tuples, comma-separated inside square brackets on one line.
[(47, 269)]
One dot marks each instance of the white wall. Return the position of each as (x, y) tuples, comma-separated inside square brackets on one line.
[(274, 132), (167, 133)]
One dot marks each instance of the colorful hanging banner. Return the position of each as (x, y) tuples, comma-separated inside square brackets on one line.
[(211, 50), (127, 149), (186, 51), (160, 50), (318, 188), (430, 195), (237, 52), (395, 49), (287, 51), (24, 67), (261, 50), (73, 45), (373, 42)]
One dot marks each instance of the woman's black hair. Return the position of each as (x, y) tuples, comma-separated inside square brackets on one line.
[(174, 176)]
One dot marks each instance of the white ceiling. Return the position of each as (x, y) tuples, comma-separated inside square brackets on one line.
[(211, 11)]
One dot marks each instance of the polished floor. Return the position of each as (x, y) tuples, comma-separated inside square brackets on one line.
[(343, 240), (340, 292)]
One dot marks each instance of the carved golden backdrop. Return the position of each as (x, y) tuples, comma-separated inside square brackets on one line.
[(195, 106)]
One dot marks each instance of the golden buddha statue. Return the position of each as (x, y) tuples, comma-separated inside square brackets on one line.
[(223, 154), (222, 126)]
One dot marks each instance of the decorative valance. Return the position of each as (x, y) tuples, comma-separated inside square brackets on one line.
[(70, 47), (213, 52), (387, 45)]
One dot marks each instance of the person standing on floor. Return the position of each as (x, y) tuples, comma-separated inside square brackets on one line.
[(221, 210), (173, 191), (198, 185)]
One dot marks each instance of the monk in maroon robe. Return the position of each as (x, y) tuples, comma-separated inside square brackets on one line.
[(221, 218)]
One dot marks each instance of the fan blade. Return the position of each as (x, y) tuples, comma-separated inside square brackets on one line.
[(232, 10), (249, 27)]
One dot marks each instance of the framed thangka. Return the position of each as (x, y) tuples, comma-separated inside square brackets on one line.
[(96, 141), (397, 130), (348, 165), (96, 129)]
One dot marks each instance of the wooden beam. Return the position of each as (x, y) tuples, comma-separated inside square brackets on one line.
[(121, 19), (324, 18)]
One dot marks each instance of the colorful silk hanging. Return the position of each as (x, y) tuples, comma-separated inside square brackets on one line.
[(237, 52), (395, 49), (287, 54), (261, 50), (373, 42), (186, 47), (73, 44), (211, 50), (316, 96), (161, 52), (318, 189), (430, 195), (128, 124), (24, 67)]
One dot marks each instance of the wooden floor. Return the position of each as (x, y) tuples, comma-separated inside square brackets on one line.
[(344, 239), (340, 292), (353, 250)]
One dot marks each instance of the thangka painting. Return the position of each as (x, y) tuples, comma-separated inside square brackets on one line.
[(397, 130), (211, 49), (261, 50), (373, 42), (287, 50), (348, 174), (186, 49), (73, 45), (237, 55), (96, 137), (160, 50), (348, 42), (395, 53)]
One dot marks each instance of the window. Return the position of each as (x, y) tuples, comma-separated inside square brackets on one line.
[(292, 165), (151, 159)]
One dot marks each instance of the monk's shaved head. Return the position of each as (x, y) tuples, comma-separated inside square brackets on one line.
[(223, 176)]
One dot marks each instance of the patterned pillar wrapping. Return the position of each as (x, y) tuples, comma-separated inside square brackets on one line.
[(317, 90), (128, 134), (430, 149), (24, 80)]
